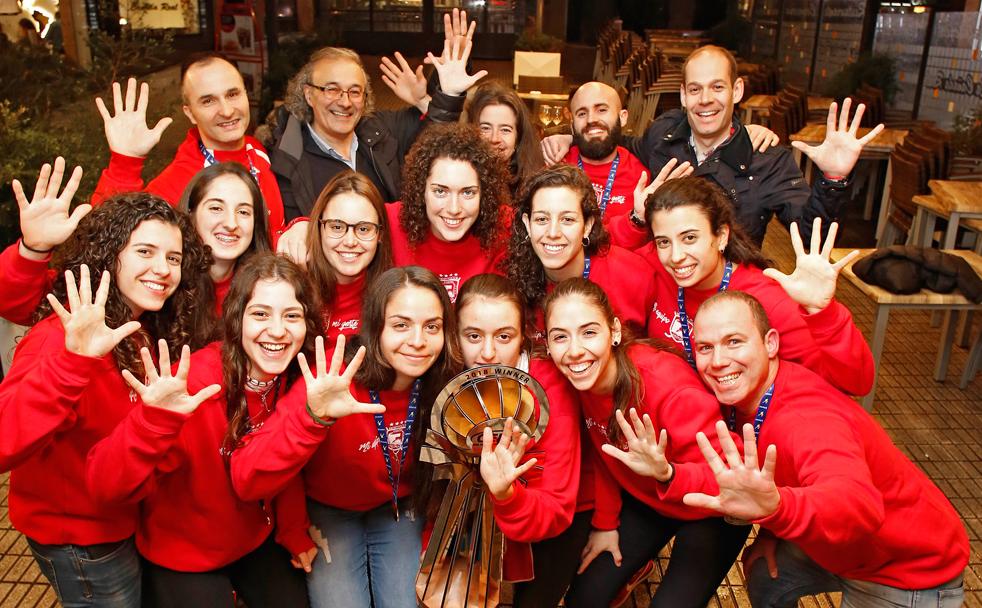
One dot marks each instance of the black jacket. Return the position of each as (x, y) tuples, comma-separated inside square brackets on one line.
[(302, 169), (758, 184)]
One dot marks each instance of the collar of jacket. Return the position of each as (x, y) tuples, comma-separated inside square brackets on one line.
[(737, 152), (368, 129)]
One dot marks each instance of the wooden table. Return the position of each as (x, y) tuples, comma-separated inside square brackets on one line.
[(961, 199), (877, 150), (761, 104), (884, 302)]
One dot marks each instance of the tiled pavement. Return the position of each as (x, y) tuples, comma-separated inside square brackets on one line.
[(935, 424)]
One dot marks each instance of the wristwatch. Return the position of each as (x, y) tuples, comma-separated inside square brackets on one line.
[(637, 221)]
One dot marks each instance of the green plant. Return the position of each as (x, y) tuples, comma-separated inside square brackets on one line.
[(38, 81), (966, 138), (131, 52), (538, 43), (878, 70)]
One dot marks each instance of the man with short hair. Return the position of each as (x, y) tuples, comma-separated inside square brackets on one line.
[(708, 134), (217, 104)]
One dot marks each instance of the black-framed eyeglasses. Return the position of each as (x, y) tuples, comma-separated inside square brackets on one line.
[(337, 229), (333, 92)]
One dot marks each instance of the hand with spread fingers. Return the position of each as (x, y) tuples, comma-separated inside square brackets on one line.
[(329, 392), (599, 542), (837, 155), (165, 390), (746, 491), (455, 27), (408, 85), (812, 284), (126, 130), (452, 66), (646, 449), (45, 222), (84, 321), (671, 170), (499, 466)]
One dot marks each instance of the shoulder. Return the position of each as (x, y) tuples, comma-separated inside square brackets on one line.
[(629, 161)]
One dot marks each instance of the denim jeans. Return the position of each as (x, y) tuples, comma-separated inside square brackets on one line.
[(85, 578), (798, 576), (374, 559)]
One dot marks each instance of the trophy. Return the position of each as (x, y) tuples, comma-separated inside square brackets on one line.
[(461, 567)]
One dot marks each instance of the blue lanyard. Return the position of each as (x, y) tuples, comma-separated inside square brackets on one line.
[(684, 316), (605, 198), (211, 160), (586, 267), (383, 439), (765, 402)]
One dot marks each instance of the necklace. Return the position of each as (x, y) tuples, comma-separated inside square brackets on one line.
[(258, 385)]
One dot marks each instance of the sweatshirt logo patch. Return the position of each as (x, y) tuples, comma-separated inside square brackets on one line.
[(674, 324), (346, 325), (452, 283), (614, 200), (395, 433)]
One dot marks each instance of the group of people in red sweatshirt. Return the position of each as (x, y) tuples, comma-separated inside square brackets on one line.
[(193, 418)]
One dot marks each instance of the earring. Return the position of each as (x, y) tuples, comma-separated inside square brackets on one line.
[(616, 342), (586, 241)]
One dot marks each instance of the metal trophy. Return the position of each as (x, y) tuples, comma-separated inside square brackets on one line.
[(461, 567)]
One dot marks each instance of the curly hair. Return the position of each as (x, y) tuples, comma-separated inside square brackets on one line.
[(521, 264), (294, 99), (321, 272), (235, 362), (527, 158), (186, 316), (710, 200), (464, 143)]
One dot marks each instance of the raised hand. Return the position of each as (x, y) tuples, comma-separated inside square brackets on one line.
[(45, 222), (761, 138), (164, 390), (671, 170), (598, 542), (812, 284), (746, 492), (837, 155), (452, 66), (555, 148), (328, 394), (408, 85), (126, 130), (499, 467), (455, 27), (645, 453), (304, 560), (86, 332)]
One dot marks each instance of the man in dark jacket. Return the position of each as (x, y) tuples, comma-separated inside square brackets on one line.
[(327, 124), (707, 134)]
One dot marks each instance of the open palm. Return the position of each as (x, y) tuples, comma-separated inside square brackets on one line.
[(86, 332), (45, 221), (499, 466), (329, 392), (838, 153), (165, 390)]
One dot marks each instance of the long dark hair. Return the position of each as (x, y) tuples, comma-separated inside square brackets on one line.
[(321, 272), (456, 142), (527, 158), (101, 236), (497, 287), (522, 266), (628, 387), (235, 363), (376, 373), (700, 192)]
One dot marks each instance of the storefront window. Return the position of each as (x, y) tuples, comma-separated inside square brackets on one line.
[(493, 16)]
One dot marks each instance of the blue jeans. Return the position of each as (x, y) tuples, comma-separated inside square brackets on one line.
[(798, 575), (374, 559), (87, 577)]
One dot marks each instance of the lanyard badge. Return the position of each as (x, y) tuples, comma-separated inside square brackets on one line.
[(605, 198), (684, 316), (383, 439)]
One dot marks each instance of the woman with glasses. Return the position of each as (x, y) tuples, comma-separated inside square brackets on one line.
[(349, 247)]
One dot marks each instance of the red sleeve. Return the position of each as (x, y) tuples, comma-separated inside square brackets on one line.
[(845, 359), (836, 502), (121, 468), (624, 233), (292, 524), (25, 283), (39, 395), (544, 508), (172, 181), (607, 497), (124, 174), (275, 454)]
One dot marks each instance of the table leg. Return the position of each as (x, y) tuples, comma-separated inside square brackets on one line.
[(881, 219), (879, 335), (972, 364), (748, 115), (808, 170), (797, 157), (952, 232), (874, 178), (947, 342)]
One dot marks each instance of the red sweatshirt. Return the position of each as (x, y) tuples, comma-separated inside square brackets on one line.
[(54, 406), (453, 263), (543, 508), (849, 498), (678, 402), (622, 193), (123, 174), (827, 342), (25, 284), (343, 315), (155, 455)]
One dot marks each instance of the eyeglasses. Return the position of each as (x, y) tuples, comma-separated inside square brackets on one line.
[(333, 92), (338, 229)]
